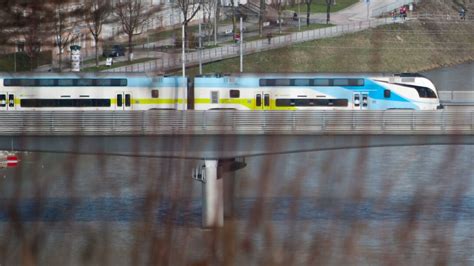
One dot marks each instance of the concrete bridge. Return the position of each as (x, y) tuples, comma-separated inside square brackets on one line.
[(223, 138)]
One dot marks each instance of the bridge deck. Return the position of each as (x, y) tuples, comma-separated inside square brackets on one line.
[(120, 123)]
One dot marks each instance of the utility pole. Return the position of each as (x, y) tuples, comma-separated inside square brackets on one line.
[(183, 55), (200, 51), (241, 46), (299, 19), (215, 24), (367, 2)]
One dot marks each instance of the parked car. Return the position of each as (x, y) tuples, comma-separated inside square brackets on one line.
[(114, 51)]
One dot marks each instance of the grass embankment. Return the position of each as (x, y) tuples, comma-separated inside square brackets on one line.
[(23, 61), (408, 47), (320, 6)]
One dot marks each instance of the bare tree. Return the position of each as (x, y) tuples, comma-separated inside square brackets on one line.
[(64, 21), (278, 6), (308, 10), (234, 17), (5, 20), (96, 12), (328, 10), (133, 15), (217, 17), (31, 23), (261, 17), (209, 8), (32, 35), (189, 8)]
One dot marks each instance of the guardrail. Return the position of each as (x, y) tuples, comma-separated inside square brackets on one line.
[(118, 123), (457, 97), (229, 51)]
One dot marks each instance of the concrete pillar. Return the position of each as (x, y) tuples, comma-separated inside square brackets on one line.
[(213, 197), (229, 194)]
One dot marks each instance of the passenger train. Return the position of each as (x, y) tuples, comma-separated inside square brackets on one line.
[(126, 91)]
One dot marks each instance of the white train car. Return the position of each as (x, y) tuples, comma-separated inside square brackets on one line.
[(100, 91), (314, 92)]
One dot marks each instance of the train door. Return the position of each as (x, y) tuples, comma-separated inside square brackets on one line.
[(7, 101), (361, 100), (124, 101), (262, 101)]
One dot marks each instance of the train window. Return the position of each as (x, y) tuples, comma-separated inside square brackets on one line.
[(341, 82), (3, 100), (65, 82), (312, 102), (302, 82), (110, 82), (119, 82), (46, 82), (38, 103), (387, 93), (234, 94), (340, 102), (322, 82), (155, 94), (103, 82), (285, 102), (356, 82), (84, 82), (214, 97), (11, 100), (300, 102), (19, 82), (127, 100), (424, 92), (282, 82), (267, 82)]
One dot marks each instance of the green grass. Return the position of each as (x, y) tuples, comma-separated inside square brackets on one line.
[(115, 65), (319, 6), (23, 61), (285, 31), (310, 27), (92, 60), (392, 48)]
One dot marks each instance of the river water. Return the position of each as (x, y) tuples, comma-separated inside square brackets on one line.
[(454, 78), (397, 205)]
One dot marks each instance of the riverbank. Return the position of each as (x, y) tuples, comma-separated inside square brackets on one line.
[(413, 46)]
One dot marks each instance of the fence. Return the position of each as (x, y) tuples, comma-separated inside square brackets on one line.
[(229, 51), (235, 122)]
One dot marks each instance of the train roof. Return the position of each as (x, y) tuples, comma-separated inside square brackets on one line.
[(80, 75)]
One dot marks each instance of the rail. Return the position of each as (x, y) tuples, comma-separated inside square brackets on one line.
[(119, 123)]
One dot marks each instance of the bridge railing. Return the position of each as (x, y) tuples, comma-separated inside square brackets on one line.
[(234, 122), (457, 97)]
